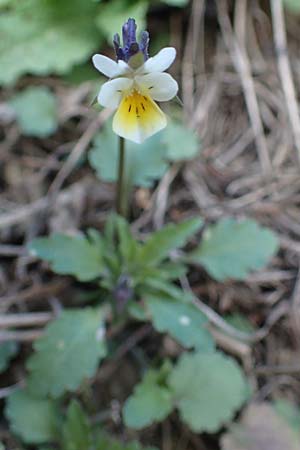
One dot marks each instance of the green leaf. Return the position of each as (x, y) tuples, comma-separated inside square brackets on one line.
[(77, 434), (144, 163), (186, 324), (71, 255), (69, 351), (157, 287), (292, 5), (127, 245), (36, 111), (208, 388), (231, 248), (171, 270), (7, 351), (114, 14), (45, 36), (150, 402), (33, 419), (5, 3), (160, 243), (181, 143)]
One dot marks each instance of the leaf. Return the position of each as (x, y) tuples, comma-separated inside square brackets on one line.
[(150, 402), (186, 324), (127, 245), (208, 388), (231, 249), (77, 434), (69, 351), (171, 270), (34, 420), (71, 255), (292, 5), (160, 243), (36, 111), (260, 429), (45, 36), (114, 14), (144, 163), (7, 351), (159, 287), (181, 143)]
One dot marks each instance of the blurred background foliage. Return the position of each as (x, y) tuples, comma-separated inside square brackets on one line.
[(35, 34)]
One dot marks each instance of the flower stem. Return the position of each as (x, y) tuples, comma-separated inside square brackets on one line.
[(121, 188)]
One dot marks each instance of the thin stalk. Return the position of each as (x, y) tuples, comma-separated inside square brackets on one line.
[(121, 188)]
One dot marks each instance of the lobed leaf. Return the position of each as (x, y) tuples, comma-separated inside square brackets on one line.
[(208, 388), (181, 143), (150, 402), (53, 35), (36, 111), (35, 420), (77, 433), (160, 243), (186, 324), (144, 163), (71, 255), (69, 351), (231, 248)]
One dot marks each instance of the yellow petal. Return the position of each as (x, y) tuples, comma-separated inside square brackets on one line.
[(138, 117)]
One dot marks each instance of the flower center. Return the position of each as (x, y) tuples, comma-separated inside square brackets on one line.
[(136, 103)]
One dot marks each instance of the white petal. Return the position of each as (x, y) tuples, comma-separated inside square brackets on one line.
[(111, 92), (161, 61), (160, 86), (109, 67), (138, 117)]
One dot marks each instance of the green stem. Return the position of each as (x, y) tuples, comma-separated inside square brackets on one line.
[(121, 188)]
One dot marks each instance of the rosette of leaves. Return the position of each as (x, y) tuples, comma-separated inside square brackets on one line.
[(116, 255), (128, 269)]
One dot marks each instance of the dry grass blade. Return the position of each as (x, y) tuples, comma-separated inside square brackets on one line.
[(241, 62), (284, 69)]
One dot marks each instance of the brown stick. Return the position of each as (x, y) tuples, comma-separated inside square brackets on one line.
[(20, 336), (241, 63), (24, 320), (34, 293), (284, 69)]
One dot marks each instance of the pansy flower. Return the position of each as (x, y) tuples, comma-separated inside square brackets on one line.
[(136, 83)]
